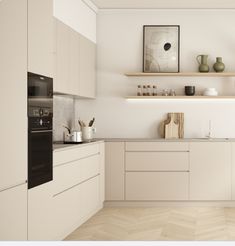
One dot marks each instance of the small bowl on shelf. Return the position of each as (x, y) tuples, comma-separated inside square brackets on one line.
[(189, 90), (210, 92)]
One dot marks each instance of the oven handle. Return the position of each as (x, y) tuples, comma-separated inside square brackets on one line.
[(41, 131)]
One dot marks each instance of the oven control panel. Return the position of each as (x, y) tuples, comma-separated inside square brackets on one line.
[(40, 123)]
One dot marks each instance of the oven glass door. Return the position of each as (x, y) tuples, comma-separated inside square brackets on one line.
[(39, 86), (39, 157)]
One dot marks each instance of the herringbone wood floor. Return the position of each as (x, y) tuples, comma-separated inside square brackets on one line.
[(200, 223)]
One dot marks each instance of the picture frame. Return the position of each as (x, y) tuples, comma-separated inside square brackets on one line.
[(161, 48)]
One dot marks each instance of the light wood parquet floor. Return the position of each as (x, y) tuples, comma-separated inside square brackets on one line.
[(158, 224)]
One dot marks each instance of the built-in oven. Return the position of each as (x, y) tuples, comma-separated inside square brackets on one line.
[(40, 115)]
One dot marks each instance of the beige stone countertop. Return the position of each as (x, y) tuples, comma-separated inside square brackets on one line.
[(60, 146), (168, 140)]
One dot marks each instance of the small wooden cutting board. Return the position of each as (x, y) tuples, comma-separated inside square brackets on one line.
[(172, 129)]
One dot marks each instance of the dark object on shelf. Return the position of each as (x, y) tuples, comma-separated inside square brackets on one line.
[(189, 90)]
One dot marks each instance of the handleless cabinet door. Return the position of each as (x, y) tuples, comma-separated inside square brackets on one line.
[(13, 87), (74, 69), (87, 80), (62, 82), (40, 37), (210, 171), (13, 213), (41, 213), (233, 170), (114, 170)]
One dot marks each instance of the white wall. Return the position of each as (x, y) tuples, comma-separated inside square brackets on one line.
[(77, 14), (120, 44)]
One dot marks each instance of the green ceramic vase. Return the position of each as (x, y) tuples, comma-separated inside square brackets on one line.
[(203, 66), (219, 65)]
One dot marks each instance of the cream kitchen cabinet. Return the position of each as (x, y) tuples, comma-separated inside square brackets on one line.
[(114, 171), (210, 171), (13, 213), (156, 171), (41, 212), (58, 207), (62, 82), (75, 63), (40, 37), (87, 81), (233, 170), (13, 87)]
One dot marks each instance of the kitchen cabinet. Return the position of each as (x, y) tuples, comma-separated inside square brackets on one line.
[(102, 172), (156, 171), (13, 86), (62, 81), (13, 213), (233, 170), (114, 171), (78, 186), (40, 37), (75, 63), (87, 82), (149, 186), (41, 212), (210, 171)]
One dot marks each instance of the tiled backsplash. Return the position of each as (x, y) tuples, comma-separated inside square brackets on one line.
[(63, 115)]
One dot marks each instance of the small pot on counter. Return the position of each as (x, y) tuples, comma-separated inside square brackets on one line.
[(73, 137)]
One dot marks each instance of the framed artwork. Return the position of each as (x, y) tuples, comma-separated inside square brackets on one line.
[(161, 49)]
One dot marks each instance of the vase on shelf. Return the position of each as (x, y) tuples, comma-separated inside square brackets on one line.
[(203, 66), (219, 65)]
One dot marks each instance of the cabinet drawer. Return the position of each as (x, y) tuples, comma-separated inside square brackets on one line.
[(74, 206), (69, 155), (157, 161), (157, 146), (157, 186), (73, 173)]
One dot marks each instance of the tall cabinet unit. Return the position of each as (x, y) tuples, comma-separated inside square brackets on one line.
[(13, 108), (40, 37)]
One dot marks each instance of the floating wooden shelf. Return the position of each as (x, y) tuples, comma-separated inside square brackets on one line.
[(180, 97), (183, 74)]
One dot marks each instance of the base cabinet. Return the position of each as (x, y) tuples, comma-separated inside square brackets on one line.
[(57, 208), (149, 186), (13, 214), (210, 171), (41, 212), (74, 206)]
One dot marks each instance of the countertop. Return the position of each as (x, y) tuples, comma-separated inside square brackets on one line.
[(168, 140), (59, 146)]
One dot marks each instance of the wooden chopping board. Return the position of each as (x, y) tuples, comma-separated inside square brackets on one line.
[(172, 129)]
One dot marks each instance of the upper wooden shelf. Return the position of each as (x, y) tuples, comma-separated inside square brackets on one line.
[(183, 74)]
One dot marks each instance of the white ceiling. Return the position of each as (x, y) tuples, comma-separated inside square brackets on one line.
[(161, 4)]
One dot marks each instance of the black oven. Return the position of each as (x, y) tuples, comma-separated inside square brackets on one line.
[(40, 115)]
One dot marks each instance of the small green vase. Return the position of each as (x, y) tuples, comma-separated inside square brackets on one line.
[(203, 67), (219, 65)]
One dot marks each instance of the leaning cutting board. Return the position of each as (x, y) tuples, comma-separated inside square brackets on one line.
[(172, 129)]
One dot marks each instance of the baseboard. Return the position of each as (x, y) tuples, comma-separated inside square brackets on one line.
[(169, 203)]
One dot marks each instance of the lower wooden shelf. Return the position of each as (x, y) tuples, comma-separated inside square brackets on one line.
[(180, 97)]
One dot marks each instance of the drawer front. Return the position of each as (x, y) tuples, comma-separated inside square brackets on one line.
[(150, 186), (73, 154), (157, 161), (157, 146), (73, 173)]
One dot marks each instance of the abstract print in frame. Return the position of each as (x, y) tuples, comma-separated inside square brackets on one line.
[(161, 49)]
